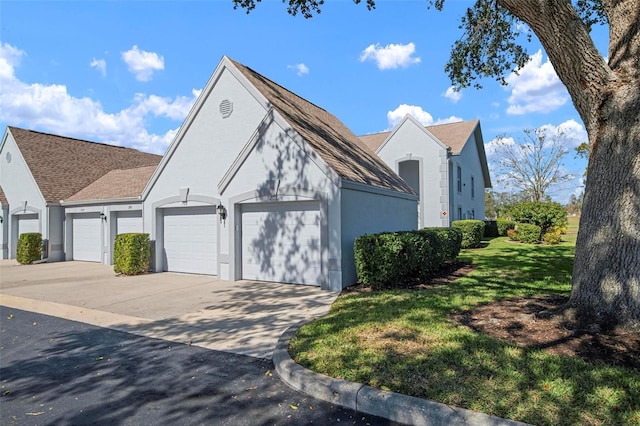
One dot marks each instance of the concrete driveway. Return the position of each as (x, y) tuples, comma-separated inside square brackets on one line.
[(242, 317)]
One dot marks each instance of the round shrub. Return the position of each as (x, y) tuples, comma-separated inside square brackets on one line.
[(543, 214), (131, 253), (528, 233), (472, 232), (29, 248), (504, 225), (491, 229), (552, 238)]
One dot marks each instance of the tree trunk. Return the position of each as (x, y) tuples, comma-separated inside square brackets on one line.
[(606, 272)]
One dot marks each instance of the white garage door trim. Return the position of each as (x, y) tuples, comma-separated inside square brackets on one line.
[(190, 240), (28, 223), (282, 242), (87, 237)]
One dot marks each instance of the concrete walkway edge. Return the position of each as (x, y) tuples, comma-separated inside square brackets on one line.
[(369, 400)]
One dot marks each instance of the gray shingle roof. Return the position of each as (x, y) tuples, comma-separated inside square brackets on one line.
[(116, 184), (338, 146), (63, 166), (454, 135)]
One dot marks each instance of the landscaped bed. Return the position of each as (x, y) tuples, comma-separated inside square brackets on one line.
[(436, 341)]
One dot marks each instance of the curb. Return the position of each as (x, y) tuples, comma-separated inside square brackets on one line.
[(369, 400)]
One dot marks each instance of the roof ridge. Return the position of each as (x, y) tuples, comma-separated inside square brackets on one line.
[(77, 139)]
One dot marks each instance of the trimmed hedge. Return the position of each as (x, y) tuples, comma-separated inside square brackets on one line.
[(528, 233), (29, 248), (131, 253), (472, 232), (389, 259), (504, 225)]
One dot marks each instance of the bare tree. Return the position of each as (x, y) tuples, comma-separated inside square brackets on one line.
[(532, 164)]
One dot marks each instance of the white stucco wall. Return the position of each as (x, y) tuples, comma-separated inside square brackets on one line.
[(364, 212), (469, 162), (410, 141), (277, 169), (4, 233), (19, 187)]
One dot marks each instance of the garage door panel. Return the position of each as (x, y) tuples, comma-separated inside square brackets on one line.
[(281, 242), (87, 237), (28, 223), (129, 222), (190, 240)]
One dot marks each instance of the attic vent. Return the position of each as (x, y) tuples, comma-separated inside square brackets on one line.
[(8, 157), (226, 108)]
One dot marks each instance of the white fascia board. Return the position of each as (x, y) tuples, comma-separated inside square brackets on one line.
[(357, 186), (105, 201), (412, 120), (482, 155)]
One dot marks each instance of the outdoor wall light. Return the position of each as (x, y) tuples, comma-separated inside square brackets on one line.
[(222, 212), (103, 216), (1, 219)]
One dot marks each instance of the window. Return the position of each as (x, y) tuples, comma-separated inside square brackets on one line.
[(459, 213), (459, 180), (473, 213), (473, 187)]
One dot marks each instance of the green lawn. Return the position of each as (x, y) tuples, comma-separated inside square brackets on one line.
[(402, 340)]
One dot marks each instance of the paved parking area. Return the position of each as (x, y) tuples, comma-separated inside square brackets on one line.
[(242, 317)]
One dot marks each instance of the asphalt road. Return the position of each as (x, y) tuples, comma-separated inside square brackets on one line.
[(59, 372)]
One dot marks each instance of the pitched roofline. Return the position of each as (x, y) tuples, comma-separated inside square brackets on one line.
[(100, 201), (8, 132), (412, 119), (74, 139)]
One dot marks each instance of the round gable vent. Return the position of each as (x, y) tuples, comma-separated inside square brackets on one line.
[(226, 108)]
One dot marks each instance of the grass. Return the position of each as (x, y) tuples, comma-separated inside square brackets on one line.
[(402, 340)]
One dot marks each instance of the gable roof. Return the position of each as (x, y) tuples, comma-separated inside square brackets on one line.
[(334, 142), (3, 198), (116, 184), (453, 135), (63, 166)]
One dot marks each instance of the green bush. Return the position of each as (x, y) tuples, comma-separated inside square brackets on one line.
[(543, 214), (472, 232), (29, 248), (504, 225), (528, 233), (131, 253), (390, 259), (512, 234), (552, 237), (491, 229)]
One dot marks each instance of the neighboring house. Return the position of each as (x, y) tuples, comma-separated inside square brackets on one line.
[(39, 170), (445, 164), (261, 184)]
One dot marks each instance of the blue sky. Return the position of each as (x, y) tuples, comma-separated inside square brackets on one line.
[(127, 72)]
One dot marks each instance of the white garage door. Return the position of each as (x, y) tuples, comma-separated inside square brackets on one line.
[(87, 237), (128, 222), (281, 242), (190, 240), (28, 223)]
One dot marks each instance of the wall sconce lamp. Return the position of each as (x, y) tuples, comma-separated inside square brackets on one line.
[(222, 212), (103, 216), (1, 219)]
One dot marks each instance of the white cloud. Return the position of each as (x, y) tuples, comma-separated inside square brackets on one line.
[(100, 65), (142, 63), (52, 108), (573, 132), (301, 69), (453, 95), (535, 88), (391, 56), (395, 117)]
